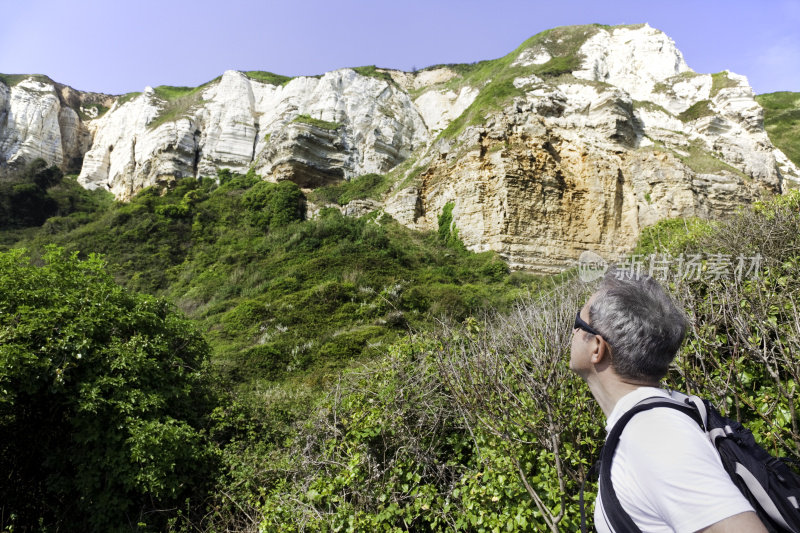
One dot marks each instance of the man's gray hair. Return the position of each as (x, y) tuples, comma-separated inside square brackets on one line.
[(641, 323)]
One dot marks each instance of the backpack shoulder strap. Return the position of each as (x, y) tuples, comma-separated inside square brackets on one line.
[(615, 515)]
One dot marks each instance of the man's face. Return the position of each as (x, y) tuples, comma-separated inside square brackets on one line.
[(583, 344)]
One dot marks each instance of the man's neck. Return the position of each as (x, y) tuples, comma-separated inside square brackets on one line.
[(608, 392)]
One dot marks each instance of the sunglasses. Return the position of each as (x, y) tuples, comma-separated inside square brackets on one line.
[(581, 324)]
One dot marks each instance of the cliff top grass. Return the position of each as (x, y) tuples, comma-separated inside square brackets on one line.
[(720, 81), (171, 93), (127, 97), (495, 77), (14, 79), (782, 121), (178, 101), (374, 72), (268, 77)]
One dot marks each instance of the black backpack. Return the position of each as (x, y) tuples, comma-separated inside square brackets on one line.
[(767, 482)]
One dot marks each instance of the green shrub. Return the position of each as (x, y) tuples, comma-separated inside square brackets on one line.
[(274, 205), (103, 395), (676, 235), (400, 443), (358, 188), (741, 348), (448, 233), (35, 192)]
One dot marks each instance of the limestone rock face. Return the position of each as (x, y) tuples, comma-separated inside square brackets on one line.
[(438, 109), (361, 124), (31, 109), (38, 119), (539, 194), (576, 140), (585, 161), (312, 130), (633, 59)]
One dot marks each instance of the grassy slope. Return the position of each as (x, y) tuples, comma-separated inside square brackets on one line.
[(13, 79), (782, 121), (495, 77), (314, 294)]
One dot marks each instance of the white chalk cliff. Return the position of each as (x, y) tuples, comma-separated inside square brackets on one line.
[(576, 140), (367, 126)]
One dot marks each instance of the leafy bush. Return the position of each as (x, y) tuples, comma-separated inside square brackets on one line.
[(358, 188), (103, 396), (37, 192), (448, 233), (274, 205), (448, 433), (376, 456), (509, 378), (745, 336), (674, 234)]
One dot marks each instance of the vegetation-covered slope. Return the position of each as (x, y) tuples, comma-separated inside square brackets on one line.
[(495, 77), (276, 293), (480, 427), (468, 424), (782, 121)]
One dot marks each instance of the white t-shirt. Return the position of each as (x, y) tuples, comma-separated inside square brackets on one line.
[(666, 473)]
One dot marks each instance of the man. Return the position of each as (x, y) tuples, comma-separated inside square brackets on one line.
[(666, 473)]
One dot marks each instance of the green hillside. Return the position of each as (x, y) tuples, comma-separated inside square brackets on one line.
[(782, 121), (333, 373), (276, 293)]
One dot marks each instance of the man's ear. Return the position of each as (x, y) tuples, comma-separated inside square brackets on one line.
[(600, 353)]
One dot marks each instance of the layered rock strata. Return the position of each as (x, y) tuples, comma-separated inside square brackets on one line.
[(42, 119), (314, 131)]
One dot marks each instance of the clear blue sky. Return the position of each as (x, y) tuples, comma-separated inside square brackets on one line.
[(117, 47)]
